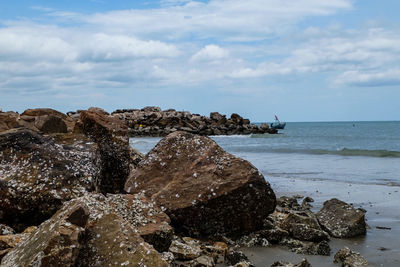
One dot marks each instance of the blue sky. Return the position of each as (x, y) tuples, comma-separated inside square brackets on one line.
[(305, 60)]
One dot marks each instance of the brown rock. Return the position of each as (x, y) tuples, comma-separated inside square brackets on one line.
[(38, 173), (204, 189), (93, 230), (110, 134), (8, 120), (349, 258), (150, 222), (56, 243), (112, 241), (98, 110), (341, 219), (143, 215), (47, 120)]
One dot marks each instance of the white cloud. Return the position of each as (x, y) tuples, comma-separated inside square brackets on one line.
[(210, 53), (370, 79), (223, 19)]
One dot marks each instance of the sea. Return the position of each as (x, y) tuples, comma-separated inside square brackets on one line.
[(348, 152)]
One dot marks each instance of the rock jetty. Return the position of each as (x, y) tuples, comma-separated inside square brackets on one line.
[(152, 121)]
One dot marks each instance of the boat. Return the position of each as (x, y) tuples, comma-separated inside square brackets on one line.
[(277, 124)]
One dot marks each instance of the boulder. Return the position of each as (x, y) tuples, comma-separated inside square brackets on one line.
[(349, 258), (38, 173), (341, 219), (204, 189), (8, 120), (110, 134), (47, 120), (94, 230), (57, 242)]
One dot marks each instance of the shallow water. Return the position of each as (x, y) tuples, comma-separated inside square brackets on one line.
[(358, 164)]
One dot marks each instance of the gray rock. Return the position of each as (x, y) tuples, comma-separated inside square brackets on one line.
[(349, 258), (341, 219)]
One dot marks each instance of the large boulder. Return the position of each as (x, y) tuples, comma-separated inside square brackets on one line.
[(46, 120), (341, 220), (204, 189), (38, 173), (93, 230), (111, 136)]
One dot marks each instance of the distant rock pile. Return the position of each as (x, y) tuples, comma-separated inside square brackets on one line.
[(152, 121)]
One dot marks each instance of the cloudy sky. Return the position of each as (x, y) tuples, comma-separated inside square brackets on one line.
[(305, 60)]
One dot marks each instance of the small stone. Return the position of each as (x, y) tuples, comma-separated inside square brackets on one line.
[(350, 258)]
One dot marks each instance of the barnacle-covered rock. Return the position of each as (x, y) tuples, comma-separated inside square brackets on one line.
[(341, 219), (57, 242), (203, 189), (38, 173), (94, 230), (349, 258)]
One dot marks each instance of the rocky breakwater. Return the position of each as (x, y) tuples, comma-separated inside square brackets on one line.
[(205, 190), (152, 121)]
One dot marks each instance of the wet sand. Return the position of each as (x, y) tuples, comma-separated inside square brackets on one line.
[(381, 247)]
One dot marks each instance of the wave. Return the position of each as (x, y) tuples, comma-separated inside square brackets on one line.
[(341, 152), (360, 152)]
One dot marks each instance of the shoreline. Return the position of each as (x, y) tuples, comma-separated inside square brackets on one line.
[(379, 246)]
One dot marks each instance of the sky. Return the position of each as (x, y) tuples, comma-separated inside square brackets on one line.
[(304, 60)]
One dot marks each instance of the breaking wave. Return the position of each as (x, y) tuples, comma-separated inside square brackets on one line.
[(341, 152)]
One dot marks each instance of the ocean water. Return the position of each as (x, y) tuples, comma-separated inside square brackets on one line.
[(344, 152)]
